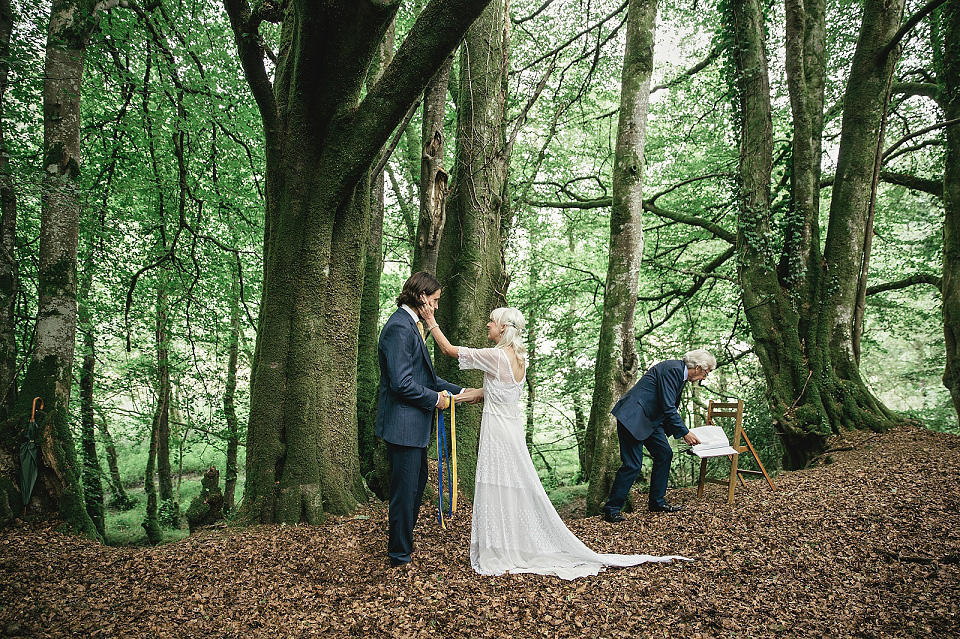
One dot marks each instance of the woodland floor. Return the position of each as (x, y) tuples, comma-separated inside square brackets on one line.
[(865, 546)]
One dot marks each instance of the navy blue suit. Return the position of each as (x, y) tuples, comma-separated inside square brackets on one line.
[(405, 407), (646, 414)]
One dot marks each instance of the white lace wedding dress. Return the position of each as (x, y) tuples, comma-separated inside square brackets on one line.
[(515, 527)]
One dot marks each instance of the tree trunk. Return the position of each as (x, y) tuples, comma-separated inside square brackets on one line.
[(229, 402), (322, 135), (170, 509), (374, 465), (119, 498), (48, 374), (950, 102), (854, 193), (433, 177), (617, 363), (813, 384), (92, 486), (470, 264), (9, 284), (151, 520)]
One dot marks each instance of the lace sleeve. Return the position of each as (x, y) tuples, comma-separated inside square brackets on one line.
[(484, 359)]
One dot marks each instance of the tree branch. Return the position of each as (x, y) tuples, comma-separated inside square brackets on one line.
[(907, 26), (246, 31), (907, 282), (689, 73)]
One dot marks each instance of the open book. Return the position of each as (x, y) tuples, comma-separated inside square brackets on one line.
[(713, 442)]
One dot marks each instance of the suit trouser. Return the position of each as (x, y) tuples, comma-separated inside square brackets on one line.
[(408, 477), (631, 454)]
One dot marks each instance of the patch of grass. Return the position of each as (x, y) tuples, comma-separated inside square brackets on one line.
[(125, 528)]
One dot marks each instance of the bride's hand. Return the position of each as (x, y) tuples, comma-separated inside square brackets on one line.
[(469, 396), (425, 311)]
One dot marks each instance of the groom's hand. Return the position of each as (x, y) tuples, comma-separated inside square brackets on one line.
[(444, 401)]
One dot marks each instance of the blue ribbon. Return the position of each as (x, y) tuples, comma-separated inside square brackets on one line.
[(443, 453)]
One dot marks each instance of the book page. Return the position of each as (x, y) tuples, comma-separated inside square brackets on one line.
[(713, 442)]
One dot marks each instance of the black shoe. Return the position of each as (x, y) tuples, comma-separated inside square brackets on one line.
[(666, 508), (614, 517)]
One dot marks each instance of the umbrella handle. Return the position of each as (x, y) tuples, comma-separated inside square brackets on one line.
[(33, 410)]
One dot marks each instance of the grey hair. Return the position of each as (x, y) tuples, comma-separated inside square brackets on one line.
[(512, 322), (700, 358)]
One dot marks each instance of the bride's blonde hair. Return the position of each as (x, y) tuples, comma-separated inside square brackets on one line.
[(512, 322)]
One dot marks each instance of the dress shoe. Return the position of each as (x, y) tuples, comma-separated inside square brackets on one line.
[(666, 508), (614, 517)]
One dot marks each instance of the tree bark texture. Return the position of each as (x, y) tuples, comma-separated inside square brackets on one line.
[(322, 135), (949, 99), (617, 362), (433, 177), (470, 264), (49, 371)]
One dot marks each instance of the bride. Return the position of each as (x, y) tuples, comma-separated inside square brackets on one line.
[(515, 527)]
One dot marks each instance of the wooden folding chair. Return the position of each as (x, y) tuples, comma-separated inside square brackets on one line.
[(732, 410)]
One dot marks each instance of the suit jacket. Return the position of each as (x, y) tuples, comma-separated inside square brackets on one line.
[(653, 401), (408, 384)]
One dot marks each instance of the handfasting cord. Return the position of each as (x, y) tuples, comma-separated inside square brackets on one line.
[(448, 452)]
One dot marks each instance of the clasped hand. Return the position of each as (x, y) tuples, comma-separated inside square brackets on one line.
[(469, 396)]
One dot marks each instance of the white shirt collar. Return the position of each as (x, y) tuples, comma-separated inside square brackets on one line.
[(686, 373), (413, 313)]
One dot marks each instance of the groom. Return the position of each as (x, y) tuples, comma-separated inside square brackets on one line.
[(409, 394), (646, 414)]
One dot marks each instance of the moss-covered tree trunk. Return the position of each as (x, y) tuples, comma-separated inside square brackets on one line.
[(949, 99), (151, 518), (470, 263), (846, 250), (374, 465), (92, 485), (322, 135), (118, 494), (229, 398), (8, 233), (49, 372), (617, 361), (801, 315), (161, 415)]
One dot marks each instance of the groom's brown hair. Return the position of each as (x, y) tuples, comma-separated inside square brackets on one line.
[(418, 284)]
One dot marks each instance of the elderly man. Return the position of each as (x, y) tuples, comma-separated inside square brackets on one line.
[(646, 414)]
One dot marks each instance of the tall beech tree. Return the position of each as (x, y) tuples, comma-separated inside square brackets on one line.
[(49, 372), (617, 362), (802, 315), (322, 133), (470, 263), (949, 100), (8, 232)]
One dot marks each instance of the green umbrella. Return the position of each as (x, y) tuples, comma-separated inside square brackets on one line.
[(29, 456)]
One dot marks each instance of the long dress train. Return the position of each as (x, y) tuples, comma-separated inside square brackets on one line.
[(515, 527)]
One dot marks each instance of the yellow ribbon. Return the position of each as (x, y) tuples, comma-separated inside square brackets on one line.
[(453, 459)]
